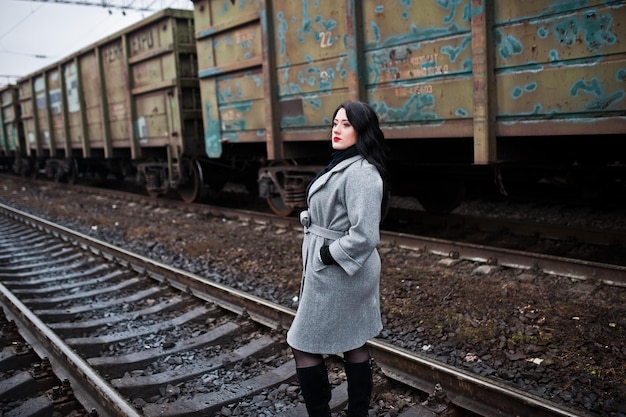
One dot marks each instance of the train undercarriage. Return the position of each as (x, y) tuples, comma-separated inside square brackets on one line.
[(439, 187)]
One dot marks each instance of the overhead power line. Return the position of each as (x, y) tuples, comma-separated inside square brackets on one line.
[(140, 5), (38, 56), (20, 22)]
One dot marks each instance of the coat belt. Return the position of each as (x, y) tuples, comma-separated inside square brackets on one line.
[(305, 220), (325, 233)]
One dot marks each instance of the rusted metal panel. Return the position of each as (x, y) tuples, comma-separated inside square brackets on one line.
[(42, 121), (315, 77), (151, 52), (163, 70), (152, 118), (512, 11), (11, 133), (237, 45), (77, 112), (552, 40), (426, 103), (561, 64), (240, 97), (230, 57), (568, 94), (210, 14), (420, 70), (153, 70), (5, 98), (465, 69), (93, 102), (308, 31), (418, 62), (53, 106), (72, 109), (394, 23), (241, 105), (313, 66), (310, 112), (269, 67), (132, 87), (27, 107), (56, 112), (115, 76)]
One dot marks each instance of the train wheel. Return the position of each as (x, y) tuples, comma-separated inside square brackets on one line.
[(190, 190), (275, 201), (72, 176), (278, 206), (152, 193), (442, 196), (59, 177), (56, 173)]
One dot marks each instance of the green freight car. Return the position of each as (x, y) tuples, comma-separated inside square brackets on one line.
[(128, 104), (11, 132), (494, 91)]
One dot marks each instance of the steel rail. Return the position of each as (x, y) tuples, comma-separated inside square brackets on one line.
[(472, 392), (554, 265), (88, 387)]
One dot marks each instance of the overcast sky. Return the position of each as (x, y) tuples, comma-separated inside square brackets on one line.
[(30, 30)]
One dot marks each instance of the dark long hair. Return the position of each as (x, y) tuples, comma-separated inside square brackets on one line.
[(370, 141)]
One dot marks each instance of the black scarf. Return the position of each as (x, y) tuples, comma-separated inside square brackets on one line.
[(337, 157)]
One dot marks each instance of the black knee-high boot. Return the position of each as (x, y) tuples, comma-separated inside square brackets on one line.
[(315, 389), (360, 383)]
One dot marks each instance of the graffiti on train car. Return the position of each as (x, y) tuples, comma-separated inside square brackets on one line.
[(40, 92), (558, 39), (141, 41), (407, 66), (414, 23), (311, 26), (317, 76), (604, 101), (414, 90), (55, 100), (410, 52), (233, 118), (213, 146), (71, 86), (594, 28), (112, 53), (244, 38), (312, 63), (561, 66)]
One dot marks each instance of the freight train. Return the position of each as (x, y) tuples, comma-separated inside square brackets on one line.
[(468, 91)]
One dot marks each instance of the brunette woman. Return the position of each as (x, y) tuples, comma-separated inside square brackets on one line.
[(339, 307)]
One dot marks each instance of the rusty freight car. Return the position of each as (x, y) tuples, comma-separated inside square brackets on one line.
[(466, 89), (11, 132), (127, 104)]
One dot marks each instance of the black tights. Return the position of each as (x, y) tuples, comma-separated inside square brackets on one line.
[(305, 359)]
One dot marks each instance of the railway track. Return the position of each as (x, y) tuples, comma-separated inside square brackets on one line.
[(103, 315), (499, 241), (537, 246), (550, 241)]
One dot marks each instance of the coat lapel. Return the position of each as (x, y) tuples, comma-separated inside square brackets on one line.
[(321, 181)]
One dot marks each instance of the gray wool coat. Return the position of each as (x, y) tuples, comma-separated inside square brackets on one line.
[(339, 308)]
